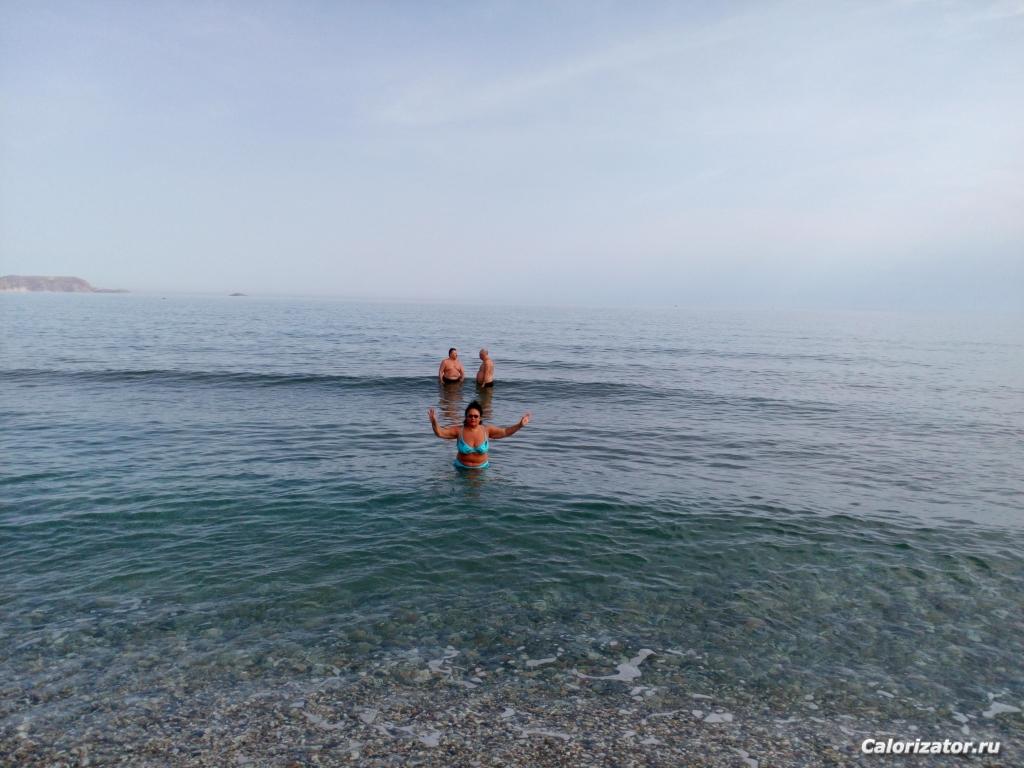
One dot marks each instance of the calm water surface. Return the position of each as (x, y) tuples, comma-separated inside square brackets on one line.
[(223, 489)]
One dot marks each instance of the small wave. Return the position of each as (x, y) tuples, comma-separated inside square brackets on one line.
[(227, 378), (546, 388)]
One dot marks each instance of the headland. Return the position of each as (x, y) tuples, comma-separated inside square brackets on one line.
[(39, 283)]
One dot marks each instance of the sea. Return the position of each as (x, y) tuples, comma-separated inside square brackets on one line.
[(199, 493)]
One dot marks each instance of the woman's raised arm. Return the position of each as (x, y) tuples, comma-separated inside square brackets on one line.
[(499, 432), (445, 433)]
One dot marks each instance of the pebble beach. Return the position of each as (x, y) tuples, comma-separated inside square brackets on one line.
[(522, 712)]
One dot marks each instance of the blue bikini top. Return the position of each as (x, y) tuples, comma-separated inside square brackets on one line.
[(465, 447)]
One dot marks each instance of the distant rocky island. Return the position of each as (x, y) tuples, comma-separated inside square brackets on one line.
[(27, 283)]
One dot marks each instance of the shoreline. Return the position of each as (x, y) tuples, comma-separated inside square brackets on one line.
[(435, 713)]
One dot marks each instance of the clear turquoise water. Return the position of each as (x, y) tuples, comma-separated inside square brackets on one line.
[(224, 489)]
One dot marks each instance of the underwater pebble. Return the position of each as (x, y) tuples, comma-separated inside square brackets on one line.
[(540, 732), (431, 739), (533, 663), (718, 717), (999, 708), (627, 670)]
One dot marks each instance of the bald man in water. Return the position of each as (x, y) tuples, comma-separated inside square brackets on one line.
[(451, 370), (485, 376)]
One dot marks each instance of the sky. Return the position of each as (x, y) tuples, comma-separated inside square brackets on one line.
[(777, 154)]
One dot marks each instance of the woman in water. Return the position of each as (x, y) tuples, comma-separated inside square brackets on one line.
[(474, 436)]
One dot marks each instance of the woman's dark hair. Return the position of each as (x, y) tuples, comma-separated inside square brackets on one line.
[(475, 404)]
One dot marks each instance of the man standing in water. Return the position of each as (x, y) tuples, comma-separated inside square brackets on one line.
[(485, 376), (451, 371)]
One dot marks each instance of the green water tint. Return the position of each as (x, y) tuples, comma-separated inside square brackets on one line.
[(788, 505), (781, 602)]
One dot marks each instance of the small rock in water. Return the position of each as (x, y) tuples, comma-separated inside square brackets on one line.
[(524, 732), (431, 739), (718, 717), (747, 759), (999, 708), (627, 670), (531, 663)]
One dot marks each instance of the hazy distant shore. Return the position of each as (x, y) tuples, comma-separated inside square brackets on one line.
[(48, 284)]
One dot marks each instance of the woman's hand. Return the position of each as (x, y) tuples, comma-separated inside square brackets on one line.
[(432, 415), (525, 420)]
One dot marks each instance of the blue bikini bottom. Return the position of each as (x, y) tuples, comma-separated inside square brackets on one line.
[(459, 465)]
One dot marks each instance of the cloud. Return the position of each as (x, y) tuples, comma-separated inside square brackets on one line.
[(436, 99)]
